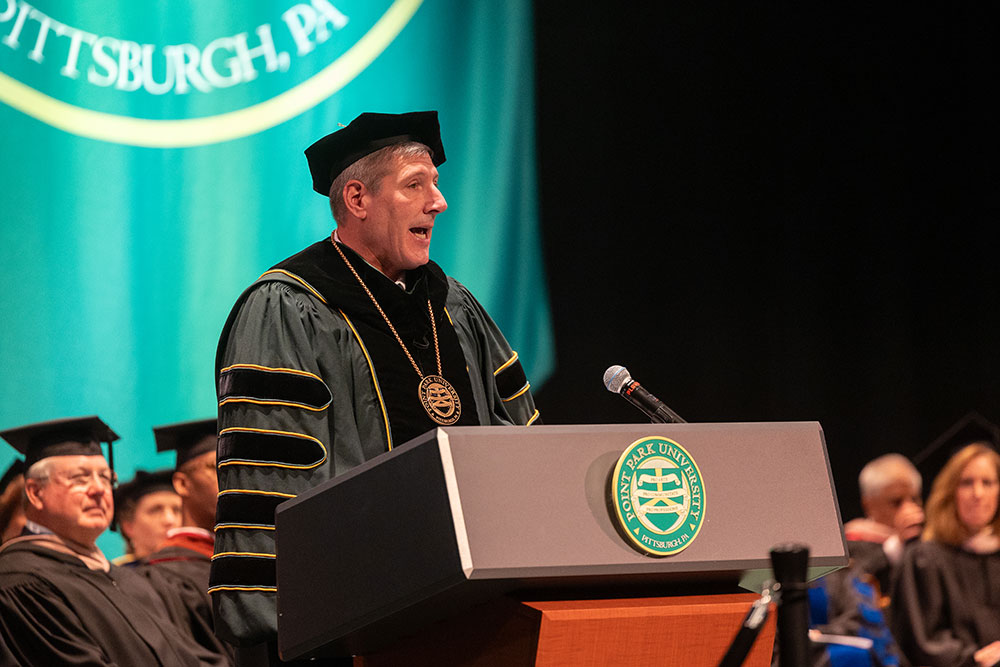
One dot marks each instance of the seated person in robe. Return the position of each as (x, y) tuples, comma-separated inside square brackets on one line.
[(182, 561), (61, 601), (890, 495), (145, 509), (946, 599)]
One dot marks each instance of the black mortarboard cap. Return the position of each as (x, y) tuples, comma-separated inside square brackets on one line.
[(188, 439), (142, 484), (60, 437), (973, 427), (16, 468), (366, 134)]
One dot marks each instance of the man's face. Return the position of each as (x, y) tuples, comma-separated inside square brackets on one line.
[(897, 506), (396, 234), (75, 502), (198, 483), (977, 494), (155, 513)]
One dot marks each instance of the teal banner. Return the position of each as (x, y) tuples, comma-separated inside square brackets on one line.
[(152, 169)]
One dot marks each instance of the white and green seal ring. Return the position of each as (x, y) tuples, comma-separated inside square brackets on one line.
[(658, 495)]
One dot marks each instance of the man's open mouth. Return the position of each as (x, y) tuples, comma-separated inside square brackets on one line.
[(421, 232)]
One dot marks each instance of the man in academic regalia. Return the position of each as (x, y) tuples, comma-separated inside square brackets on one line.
[(891, 497), (182, 561), (61, 601), (355, 345), (851, 601)]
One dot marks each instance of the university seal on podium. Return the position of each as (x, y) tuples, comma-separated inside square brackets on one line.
[(658, 495)]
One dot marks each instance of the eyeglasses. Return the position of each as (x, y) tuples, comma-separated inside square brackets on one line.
[(82, 478)]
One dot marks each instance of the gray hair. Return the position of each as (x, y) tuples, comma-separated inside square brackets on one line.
[(370, 170), (40, 472), (880, 472)]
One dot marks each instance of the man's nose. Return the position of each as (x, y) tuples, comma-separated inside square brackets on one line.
[(437, 203), (97, 489)]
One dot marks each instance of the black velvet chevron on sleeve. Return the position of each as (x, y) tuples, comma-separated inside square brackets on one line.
[(242, 571), (273, 385), (511, 380), (247, 508), (247, 445)]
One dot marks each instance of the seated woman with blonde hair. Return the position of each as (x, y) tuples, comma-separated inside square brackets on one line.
[(946, 602)]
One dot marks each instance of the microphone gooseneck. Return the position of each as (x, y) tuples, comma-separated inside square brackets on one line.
[(618, 381)]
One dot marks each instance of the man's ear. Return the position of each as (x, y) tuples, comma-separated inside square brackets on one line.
[(182, 485), (125, 527), (32, 490), (355, 198)]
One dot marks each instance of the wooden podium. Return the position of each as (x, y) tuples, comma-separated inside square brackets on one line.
[(681, 630), (497, 546)]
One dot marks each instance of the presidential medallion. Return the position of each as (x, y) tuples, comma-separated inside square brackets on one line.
[(440, 400)]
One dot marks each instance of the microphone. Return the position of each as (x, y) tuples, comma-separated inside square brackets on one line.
[(618, 381)]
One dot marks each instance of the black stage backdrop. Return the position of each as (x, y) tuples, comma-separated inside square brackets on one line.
[(774, 215)]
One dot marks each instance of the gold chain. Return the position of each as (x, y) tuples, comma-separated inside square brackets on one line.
[(430, 309)]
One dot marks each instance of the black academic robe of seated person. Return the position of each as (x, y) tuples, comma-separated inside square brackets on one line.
[(56, 611), (180, 576), (945, 604)]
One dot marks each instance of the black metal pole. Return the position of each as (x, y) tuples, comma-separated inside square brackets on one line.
[(747, 634), (789, 562)]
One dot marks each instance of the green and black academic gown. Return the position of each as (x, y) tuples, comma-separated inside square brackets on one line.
[(945, 604), (54, 610), (312, 383)]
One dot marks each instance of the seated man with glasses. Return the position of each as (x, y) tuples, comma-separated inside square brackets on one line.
[(61, 601)]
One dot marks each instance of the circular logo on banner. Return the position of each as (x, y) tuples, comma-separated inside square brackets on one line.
[(87, 61), (658, 495)]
